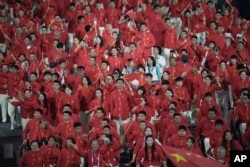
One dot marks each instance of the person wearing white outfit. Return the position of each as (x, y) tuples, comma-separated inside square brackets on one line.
[(160, 60), (3, 91), (153, 69)]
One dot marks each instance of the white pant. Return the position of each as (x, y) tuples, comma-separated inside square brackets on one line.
[(119, 124), (3, 103), (12, 112), (166, 54), (24, 122), (82, 162)]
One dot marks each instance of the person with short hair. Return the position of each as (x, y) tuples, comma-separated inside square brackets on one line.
[(32, 158), (64, 159), (50, 152)]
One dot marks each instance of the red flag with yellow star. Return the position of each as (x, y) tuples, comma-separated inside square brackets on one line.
[(183, 158)]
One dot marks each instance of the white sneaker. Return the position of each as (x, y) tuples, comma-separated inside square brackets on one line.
[(4, 120), (12, 126)]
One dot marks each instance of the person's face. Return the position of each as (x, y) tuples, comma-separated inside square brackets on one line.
[(182, 132), (148, 131), (141, 117), (68, 91), (104, 123), (179, 83), (76, 41), (219, 127), (69, 143), (244, 99), (92, 61), (233, 61), (211, 115), (120, 84), (43, 125), (150, 62), (27, 94), (66, 117), (56, 86), (171, 113), (98, 94), (47, 78), (172, 61), (51, 142), (99, 114), (132, 48), (41, 97), (165, 76), (208, 99), (189, 143), (98, 40), (78, 129), (177, 119), (148, 79), (143, 28), (140, 92), (228, 136), (84, 81), (104, 66), (95, 145), (220, 154), (141, 71), (32, 57), (114, 52), (37, 115), (34, 146), (66, 108), (169, 94), (44, 31), (243, 75), (223, 66), (194, 41), (109, 80), (142, 126), (106, 131), (208, 81), (27, 41), (150, 141), (87, 9), (5, 68), (204, 74), (32, 77)]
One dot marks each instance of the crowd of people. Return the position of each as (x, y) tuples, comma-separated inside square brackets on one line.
[(86, 79)]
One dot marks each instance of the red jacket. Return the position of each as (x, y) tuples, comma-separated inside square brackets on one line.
[(31, 159), (50, 155), (68, 158)]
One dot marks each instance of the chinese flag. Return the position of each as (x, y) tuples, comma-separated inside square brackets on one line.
[(131, 14), (183, 158)]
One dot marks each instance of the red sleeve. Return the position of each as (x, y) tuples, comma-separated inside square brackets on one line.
[(139, 157)]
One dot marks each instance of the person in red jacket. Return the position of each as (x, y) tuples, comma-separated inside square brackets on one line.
[(93, 155), (178, 140), (27, 110), (173, 128), (120, 104), (110, 149), (32, 158), (50, 152), (32, 126), (151, 154), (192, 146), (216, 133), (64, 159), (230, 144), (66, 127), (43, 133), (68, 98)]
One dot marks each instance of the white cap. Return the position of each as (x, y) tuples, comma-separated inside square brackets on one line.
[(135, 82)]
